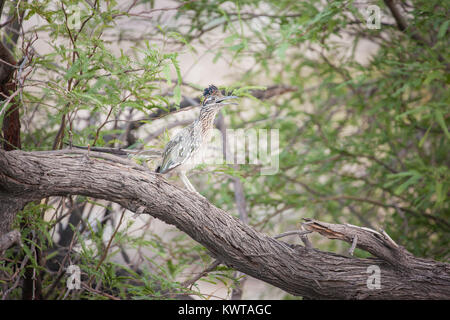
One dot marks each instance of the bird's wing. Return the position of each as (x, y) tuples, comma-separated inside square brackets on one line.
[(180, 148)]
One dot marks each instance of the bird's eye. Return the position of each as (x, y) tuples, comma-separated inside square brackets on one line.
[(209, 100)]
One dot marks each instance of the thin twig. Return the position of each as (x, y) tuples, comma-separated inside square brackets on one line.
[(188, 283), (105, 252), (354, 243), (290, 233)]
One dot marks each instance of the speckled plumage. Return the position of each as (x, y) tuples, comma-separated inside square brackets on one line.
[(187, 143), (181, 148)]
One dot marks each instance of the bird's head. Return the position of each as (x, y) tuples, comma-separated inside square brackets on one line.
[(213, 96)]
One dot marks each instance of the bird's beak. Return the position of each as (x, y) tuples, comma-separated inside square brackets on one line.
[(222, 99)]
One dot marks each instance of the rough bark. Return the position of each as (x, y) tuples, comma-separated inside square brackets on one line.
[(26, 176), (11, 119)]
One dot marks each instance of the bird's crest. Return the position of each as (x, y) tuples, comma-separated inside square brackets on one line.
[(210, 91)]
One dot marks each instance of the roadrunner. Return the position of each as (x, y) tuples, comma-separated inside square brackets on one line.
[(180, 152)]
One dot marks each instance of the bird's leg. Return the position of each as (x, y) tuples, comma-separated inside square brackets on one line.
[(187, 183)]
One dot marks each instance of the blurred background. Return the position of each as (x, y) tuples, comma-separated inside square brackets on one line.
[(358, 91)]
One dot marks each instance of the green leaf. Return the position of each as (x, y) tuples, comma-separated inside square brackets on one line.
[(436, 74), (177, 94), (166, 71), (281, 50), (30, 255), (230, 39), (443, 29), (217, 56), (421, 142), (177, 68), (441, 121), (237, 47), (400, 189), (440, 195), (403, 174)]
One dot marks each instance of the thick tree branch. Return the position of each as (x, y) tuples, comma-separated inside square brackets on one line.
[(377, 243), (310, 273)]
